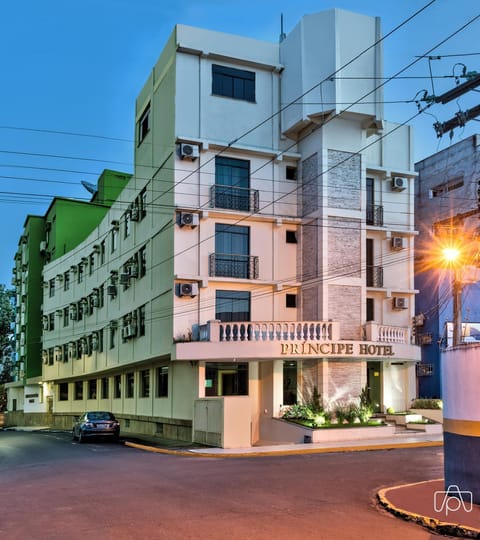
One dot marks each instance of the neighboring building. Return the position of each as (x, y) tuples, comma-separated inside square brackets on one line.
[(66, 223), (447, 187), (254, 255)]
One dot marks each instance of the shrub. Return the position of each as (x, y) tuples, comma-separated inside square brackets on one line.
[(426, 403)]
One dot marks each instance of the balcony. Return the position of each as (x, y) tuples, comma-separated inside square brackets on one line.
[(386, 334), (374, 276), (235, 266), (375, 215), (279, 331), (234, 198)]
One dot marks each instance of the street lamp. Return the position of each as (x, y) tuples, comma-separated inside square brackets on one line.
[(453, 260)]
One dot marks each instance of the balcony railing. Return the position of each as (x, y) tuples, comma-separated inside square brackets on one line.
[(388, 334), (236, 266), (269, 331), (374, 276), (374, 215), (234, 198)]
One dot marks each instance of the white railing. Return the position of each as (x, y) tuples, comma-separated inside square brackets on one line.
[(383, 333), (269, 331)]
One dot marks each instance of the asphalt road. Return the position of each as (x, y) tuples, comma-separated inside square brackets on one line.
[(53, 488)]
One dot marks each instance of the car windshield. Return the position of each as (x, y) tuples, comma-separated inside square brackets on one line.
[(100, 416)]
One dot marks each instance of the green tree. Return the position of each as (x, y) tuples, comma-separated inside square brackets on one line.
[(7, 342)]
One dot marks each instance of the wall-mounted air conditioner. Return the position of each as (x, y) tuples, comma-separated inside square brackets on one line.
[(189, 151), (399, 183), (188, 219), (400, 302), (188, 289), (399, 242)]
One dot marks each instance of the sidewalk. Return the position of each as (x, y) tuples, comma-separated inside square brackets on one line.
[(423, 502)]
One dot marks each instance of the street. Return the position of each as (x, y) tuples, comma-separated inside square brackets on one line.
[(54, 488)]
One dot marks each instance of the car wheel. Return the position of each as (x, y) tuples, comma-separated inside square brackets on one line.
[(81, 437), (74, 437)]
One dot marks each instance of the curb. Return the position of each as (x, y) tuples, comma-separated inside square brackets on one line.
[(433, 524), (260, 453)]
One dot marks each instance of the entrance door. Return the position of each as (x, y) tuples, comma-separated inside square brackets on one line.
[(374, 384)]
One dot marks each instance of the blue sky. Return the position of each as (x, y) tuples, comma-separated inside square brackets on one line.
[(71, 71)]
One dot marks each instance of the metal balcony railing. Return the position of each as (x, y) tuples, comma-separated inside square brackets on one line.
[(374, 276), (234, 198), (374, 215), (236, 266)]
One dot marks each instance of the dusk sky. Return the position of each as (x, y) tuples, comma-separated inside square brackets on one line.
[(71, 72)]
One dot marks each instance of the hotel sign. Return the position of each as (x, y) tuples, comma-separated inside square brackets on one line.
[(336, 349)]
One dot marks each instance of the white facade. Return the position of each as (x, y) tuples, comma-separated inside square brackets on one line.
[(272, 252)]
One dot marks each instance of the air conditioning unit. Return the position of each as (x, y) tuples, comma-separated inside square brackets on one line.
[(96, 248), (188, 219), (94, 300), (188, 289), (189, 151), (135, 214), (399, 183), (72, 349), (124, 279), (112, 290), (400, 302), (45, 356), (128, 331), (73, 312), (399, 242), (95, 341), (133, 270), (45, 323), (43, 246)]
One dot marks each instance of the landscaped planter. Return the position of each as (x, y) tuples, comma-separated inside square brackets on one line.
[(432, 414), (403, 419), (296, 433), (434, 429)]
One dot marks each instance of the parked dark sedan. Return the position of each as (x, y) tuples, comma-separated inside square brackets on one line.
[(96, 424)]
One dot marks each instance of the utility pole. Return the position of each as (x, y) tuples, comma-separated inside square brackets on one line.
[(457, 288)]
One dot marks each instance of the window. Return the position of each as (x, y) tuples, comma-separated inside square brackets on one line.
[(101, 296), (113, 336), (291, 237), (232, 183), (227, 379), (232, 252), (127, 224), (66, 316), (92, 389), (144, 124), (291, 300), (130, 385), (100, 340), (78, 390), (91, 263), (232, 306), (162, 381), (51, 321), (80, 273), (66, 280), (114, 239), (291, 173), (232, 82), (104, 387), (289, 383), (65, 352), (370, 315), (441, 189), (102, 252), (145, 383), (142, 199), (51, 287), (141, 321), (50, 356), (142, 257), (117, 386), (63, 392)]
